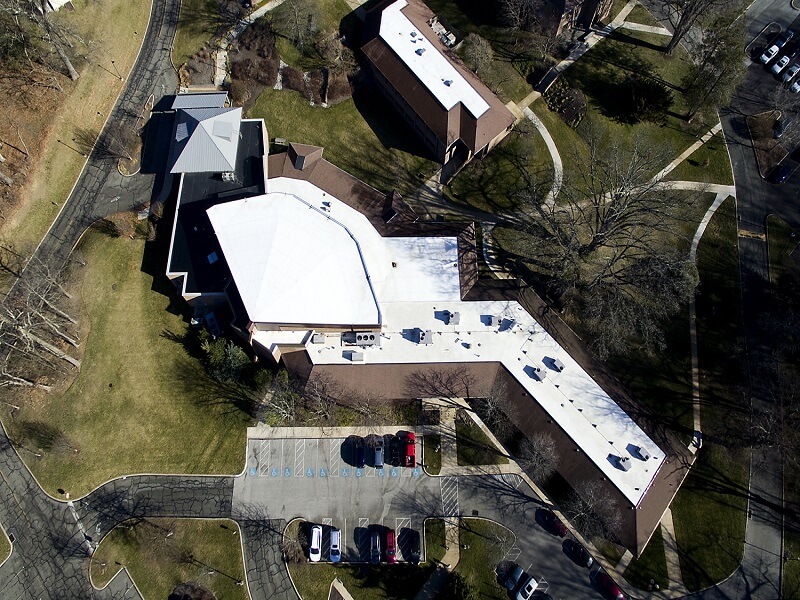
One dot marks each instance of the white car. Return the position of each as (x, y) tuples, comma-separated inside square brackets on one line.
[(782, 63), (769, 54), (795, 87), (790, 73), (526, 591), (315, 548)]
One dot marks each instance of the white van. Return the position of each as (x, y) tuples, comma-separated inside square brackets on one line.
[(315, 548), (336, 545)]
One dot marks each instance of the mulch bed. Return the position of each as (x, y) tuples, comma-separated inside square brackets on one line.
[(769, 152)]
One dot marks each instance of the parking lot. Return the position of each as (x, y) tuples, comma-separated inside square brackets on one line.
[(318, 480)]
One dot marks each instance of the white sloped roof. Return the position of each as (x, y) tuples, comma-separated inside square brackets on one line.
[(206, 140), (431, 67)]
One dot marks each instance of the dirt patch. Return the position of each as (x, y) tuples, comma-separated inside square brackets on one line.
[(769, 152)]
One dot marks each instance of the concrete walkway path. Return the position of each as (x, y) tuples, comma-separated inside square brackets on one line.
[(558, 165), (689, 151), (645, 28), (676, 584)]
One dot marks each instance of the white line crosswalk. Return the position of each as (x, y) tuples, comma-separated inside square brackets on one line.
[(449, 489)]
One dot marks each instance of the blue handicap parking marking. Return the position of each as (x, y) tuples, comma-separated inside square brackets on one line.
[(415, 473), (323, 472), (274, 471), (287, 472), (380, 472), (394, 472), (252, 471), (358, 472), (345, 472), (309, 472)]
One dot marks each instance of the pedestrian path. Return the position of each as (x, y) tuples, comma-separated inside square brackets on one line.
[(558, 165), (645, 28), (688, 152), (676, 585)]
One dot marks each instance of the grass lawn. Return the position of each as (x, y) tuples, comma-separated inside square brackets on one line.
[(197, 24), (5, 546), (115, 27), (487, 544), (710, 509), (356, 135), (435, 546), (641, 15), (603, 72), (709, 163), (158, 563), (432, 457), (781, 245), (791, 568), (141, 403), (508, 73), (493, 183), (610, 550), (330, 14), (652, 564), (474, 448)]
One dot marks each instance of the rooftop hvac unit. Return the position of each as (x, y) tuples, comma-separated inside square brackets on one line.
[(558, 365), (362, 338), (228, 176), (452, 318), (495, 321), (624, 463), (357, 357), (538, 373), (426, 337), (641, 452), (318, 338)]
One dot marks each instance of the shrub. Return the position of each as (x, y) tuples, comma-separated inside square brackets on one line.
[(293, 79)]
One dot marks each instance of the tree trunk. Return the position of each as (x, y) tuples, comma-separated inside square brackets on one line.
[(55, 351)]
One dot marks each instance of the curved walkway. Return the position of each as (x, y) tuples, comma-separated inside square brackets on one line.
[(558, 165)]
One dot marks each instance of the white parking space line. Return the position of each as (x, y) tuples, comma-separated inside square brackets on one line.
[(511, 479), (263, 457), (299, 457), (327, 521), (449, 490), (334, 457), (513, 553)]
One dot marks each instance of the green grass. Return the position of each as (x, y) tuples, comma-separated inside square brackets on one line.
[(474, 448), (197, 24), (791, 568), (492, 184), (652, 564), (508, 73), (641, 15), (710, 163), (158, 563), (140, 403), (432, 458), (610, 550), (487, 544), (435, 546), (709, 510), (5, 546), (368, 582), (609, 64), (329, 14), (781, 245), (356, 135)]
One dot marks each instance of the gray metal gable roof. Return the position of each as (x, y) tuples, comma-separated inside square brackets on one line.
[(203, 100), (206, 140)]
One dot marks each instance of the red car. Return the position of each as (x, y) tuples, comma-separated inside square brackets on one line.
[(550, 522), (608, 587), (411, 450), (391, 547)]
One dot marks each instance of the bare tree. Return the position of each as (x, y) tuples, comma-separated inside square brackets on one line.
[(321, 395), (538, 456), (478, 53), (685, 14), (441, 383), (521, 15), (593, 510), (297, 20)]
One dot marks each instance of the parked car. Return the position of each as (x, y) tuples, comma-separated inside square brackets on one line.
[(414, 546), (551, 522), (578, 554), (375, 548), (361, 454), (411, 450), (781, 127), (780, 174), (527, 588), (395, 449), (513, 578), (781, 64), (391, 547), (378, 453), (795, 87), (336, 545), (315, 547), (607, 587), (769, 54), (791, 72), (786, 37)]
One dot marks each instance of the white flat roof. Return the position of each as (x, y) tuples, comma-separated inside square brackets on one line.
[(573, 399), (430, 66)]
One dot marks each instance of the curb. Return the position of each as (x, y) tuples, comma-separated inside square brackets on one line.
[(283, 558)]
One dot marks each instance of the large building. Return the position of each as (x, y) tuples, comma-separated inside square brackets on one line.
[(454, 114), (336, 280)]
